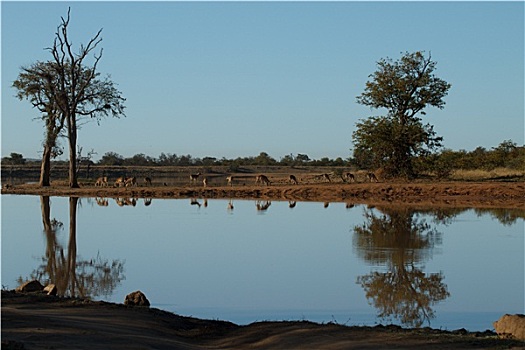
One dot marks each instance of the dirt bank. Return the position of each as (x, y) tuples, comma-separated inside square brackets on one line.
[(46, 322), (443, 194)]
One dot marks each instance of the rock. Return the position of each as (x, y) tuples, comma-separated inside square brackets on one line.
[(30, 286), (51, 289), (511, 326), (137, 299)]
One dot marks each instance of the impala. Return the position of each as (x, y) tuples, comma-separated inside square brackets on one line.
[(372, 177), (102, 181), (230, 180), (130, 181), (349, 177), (194, 177), (263, 179), (121, 181)]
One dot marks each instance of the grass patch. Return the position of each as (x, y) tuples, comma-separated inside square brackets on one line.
[(500, 174)]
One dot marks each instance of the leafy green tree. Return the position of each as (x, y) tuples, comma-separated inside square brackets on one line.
[(168, 159), (302, 159), (186, 160), (140, 159), (34, 84), (14, 159), (208, 161), (339, 162), (111, 158), (264, 159), (404, 88), (287, 160), (505, 153)]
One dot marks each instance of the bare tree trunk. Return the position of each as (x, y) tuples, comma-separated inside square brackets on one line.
[(72, 132), (45, 168)]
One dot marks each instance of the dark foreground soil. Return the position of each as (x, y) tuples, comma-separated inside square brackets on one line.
[(45, 322)]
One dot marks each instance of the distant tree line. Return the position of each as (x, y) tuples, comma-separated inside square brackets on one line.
[(506, 155), (263, 159)]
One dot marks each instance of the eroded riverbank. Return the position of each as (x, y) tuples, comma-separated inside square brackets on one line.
[(442, 194)]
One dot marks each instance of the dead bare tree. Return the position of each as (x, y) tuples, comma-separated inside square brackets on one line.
[(79, 92)]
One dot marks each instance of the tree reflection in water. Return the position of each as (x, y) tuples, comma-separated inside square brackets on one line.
[(72, 276), (399, 240)]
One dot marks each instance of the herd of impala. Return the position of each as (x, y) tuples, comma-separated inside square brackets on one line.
[(259, 179)]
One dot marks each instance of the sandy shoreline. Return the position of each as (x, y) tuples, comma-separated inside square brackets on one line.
[(36, 321)]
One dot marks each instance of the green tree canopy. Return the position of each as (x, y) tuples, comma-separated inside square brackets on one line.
[(14, 159), (404, 88)]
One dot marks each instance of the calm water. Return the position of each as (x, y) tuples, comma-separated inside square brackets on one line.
[(351, 265)]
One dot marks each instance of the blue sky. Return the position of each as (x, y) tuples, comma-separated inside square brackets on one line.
[(230, 79)]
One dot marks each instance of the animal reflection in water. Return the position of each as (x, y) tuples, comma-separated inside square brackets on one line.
[(103, 202), (195, 201), (121, 202), (262, 206)]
